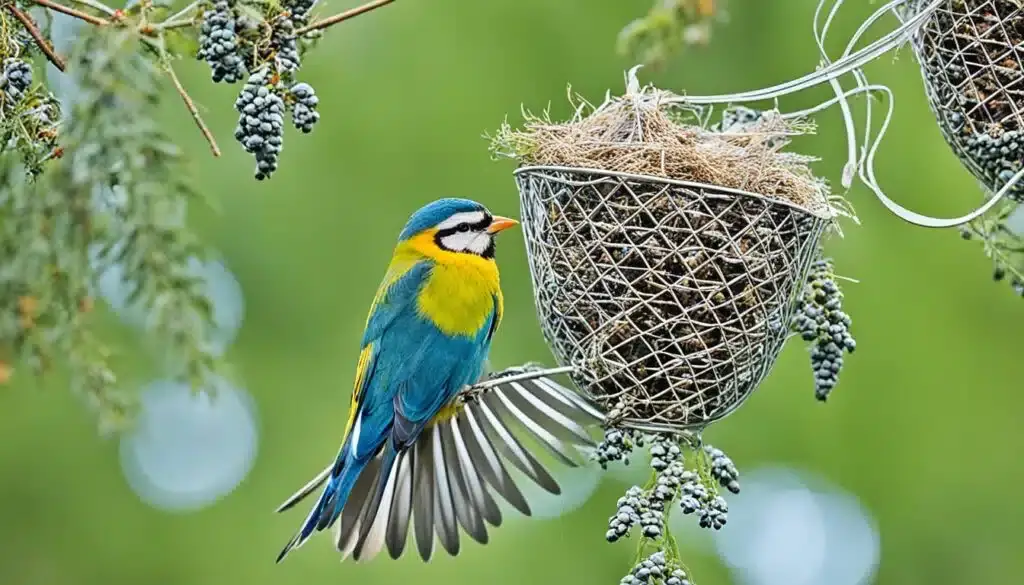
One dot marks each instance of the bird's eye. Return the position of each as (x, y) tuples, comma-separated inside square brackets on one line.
[(463, 227)]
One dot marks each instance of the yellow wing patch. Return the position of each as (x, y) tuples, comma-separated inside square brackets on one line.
[(400, 264), (357, 390)]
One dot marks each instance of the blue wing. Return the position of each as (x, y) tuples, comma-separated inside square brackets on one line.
[(417, 370)]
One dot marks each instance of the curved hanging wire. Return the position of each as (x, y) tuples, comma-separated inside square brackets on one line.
[(849, 63), (860, 161)]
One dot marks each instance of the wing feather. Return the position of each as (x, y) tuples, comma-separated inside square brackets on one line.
[(549, 417), (444, 510), (500, 403), (423, 497), (476, 489), (573, 402), (348, 528), (465, 511), (513, 450), (442, 483), (371, 540), (401, 505), (488, 461)]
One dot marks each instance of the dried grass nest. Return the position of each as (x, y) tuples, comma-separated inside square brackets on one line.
[(646, 133), (681, 295)]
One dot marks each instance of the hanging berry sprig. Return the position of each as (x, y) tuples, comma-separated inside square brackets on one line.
[(685, 472), (1001, 234), (821, 321)]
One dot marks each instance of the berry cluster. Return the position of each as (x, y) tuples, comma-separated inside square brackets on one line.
[(283, 41), (820, 320), (667, 461), (15, 79), (304, 114), (37, 112), (260, 127), (627, 514), (715, 514), (673, 483), (656, 569), (218, 43), (616, 446), (723, 469), (267, 54), (282, 38), (998, 156), (692, 493)]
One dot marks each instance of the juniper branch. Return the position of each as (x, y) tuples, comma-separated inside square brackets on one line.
[(95, 5), (84, 16), (190, 105), (42, 43)]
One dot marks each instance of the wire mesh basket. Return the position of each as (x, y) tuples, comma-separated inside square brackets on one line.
[(970, 52), (670, 299)]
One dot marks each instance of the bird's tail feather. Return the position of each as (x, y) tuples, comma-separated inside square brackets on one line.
[(389, 456), (306, 489), (328, 507)]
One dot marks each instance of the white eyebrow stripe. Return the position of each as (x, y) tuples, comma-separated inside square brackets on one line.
[(469, 217)]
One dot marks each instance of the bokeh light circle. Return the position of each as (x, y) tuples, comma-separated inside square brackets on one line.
[(228, 301), (189, 449), (789, 528), (219, 284)]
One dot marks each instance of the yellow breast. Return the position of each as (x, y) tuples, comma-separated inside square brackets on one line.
[(462, 290)]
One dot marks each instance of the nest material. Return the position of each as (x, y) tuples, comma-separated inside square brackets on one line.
[(970, 53), (644, 134), (670, 293)]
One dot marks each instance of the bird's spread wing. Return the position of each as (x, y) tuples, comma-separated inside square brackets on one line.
[(423, 368), (455, 471)]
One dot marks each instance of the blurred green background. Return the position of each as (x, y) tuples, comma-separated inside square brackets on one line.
[(923, 428)]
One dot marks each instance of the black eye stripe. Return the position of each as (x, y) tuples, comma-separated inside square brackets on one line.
[(478, 226)]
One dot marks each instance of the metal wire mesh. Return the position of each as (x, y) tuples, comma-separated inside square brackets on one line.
[(671, 299), (970, 56)]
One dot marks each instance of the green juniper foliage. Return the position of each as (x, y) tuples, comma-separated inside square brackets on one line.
[(1003, 243), (101, 188), (685, 472)]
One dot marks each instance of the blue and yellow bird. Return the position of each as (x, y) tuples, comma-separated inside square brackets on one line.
[(427, 336)]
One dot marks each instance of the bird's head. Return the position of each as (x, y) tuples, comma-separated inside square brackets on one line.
[(456, 225)]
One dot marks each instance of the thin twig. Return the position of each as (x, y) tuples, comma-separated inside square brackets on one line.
[(94, 4), (155, 30), (72, 12), (37, 36), (176, 20), (176, 24), (190, 105), (333, 20), (181, 13)]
